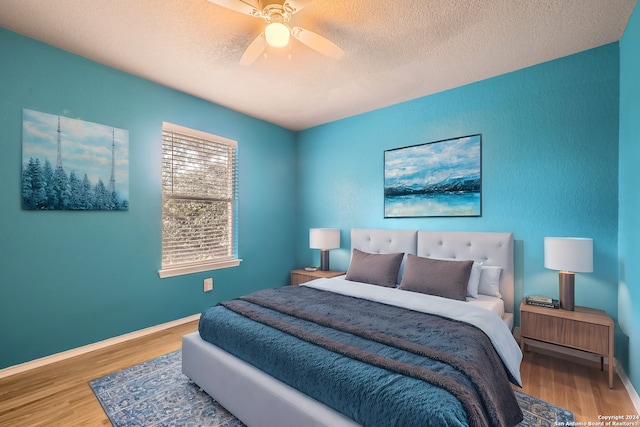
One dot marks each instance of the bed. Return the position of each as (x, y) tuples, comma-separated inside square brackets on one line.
[(388, 391)]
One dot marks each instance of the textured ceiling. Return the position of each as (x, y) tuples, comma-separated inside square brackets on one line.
[(395, 50)]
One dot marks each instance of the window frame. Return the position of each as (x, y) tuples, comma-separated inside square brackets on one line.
[(178, 269)]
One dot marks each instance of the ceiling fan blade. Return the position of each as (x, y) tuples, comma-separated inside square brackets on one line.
[(317, 42), (254, 50), (238, 6), (293, 6)]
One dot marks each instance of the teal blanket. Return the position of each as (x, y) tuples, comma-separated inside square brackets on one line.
[(377, 364)]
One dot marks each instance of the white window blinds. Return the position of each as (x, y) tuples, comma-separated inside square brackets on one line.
[(199, 194)]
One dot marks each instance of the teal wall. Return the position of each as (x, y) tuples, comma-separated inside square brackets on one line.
[(549, 167), (68, 279), (629, 222)]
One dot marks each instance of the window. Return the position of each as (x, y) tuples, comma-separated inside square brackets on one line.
[(199, 201)]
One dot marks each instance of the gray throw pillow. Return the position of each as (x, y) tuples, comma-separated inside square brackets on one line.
[(375, 269), (448, 279)]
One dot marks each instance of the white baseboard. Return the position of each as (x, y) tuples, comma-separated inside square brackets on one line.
[(16, 369), (631, 391)]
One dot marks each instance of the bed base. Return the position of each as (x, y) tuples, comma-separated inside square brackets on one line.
[(254, 397)]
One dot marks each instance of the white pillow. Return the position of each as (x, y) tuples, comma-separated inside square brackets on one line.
[(490, 281), (474, 280)]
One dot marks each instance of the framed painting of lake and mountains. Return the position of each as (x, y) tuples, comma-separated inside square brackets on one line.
[(435, 179), (71, 164)]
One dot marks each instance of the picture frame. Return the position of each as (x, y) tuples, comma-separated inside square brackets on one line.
[(435, 179), (72, 164)]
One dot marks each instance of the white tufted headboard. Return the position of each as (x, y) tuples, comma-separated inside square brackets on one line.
[(486, 247)]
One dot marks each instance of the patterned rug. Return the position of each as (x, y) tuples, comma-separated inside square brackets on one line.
[(156, 393)]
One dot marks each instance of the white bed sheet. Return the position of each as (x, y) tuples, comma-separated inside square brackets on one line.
[(475, 314), (493, 304)]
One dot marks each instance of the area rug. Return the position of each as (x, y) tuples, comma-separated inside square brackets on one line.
[(156, 393)]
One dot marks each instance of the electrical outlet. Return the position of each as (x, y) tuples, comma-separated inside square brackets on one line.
[(208, 284)]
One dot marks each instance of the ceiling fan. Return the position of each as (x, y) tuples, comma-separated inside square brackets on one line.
[(277, 32)]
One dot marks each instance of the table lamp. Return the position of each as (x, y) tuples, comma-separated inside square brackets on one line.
[(324, 239), (569, 255)]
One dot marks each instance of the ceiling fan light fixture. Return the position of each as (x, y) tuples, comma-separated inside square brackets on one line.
[(277, 34)]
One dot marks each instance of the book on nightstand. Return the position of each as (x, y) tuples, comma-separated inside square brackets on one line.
[(542, 301)]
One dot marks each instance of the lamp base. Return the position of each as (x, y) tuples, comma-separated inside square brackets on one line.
[(567, 290), (324, 260)]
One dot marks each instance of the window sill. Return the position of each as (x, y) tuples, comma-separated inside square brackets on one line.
[(197, 267)]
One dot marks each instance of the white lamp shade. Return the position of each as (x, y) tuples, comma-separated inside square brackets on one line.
[(324, 238), (573, 254)]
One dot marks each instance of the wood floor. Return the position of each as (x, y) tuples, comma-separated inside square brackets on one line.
[(59, 394), (576, 385)]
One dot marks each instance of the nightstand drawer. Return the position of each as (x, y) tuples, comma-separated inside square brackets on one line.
[(586, 329), (571, 333), (300, 278)]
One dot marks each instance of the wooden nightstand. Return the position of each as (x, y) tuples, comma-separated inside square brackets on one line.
[(301, 275), (585, 329)]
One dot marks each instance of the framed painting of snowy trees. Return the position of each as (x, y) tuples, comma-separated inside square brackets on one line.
[(71, 164)]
